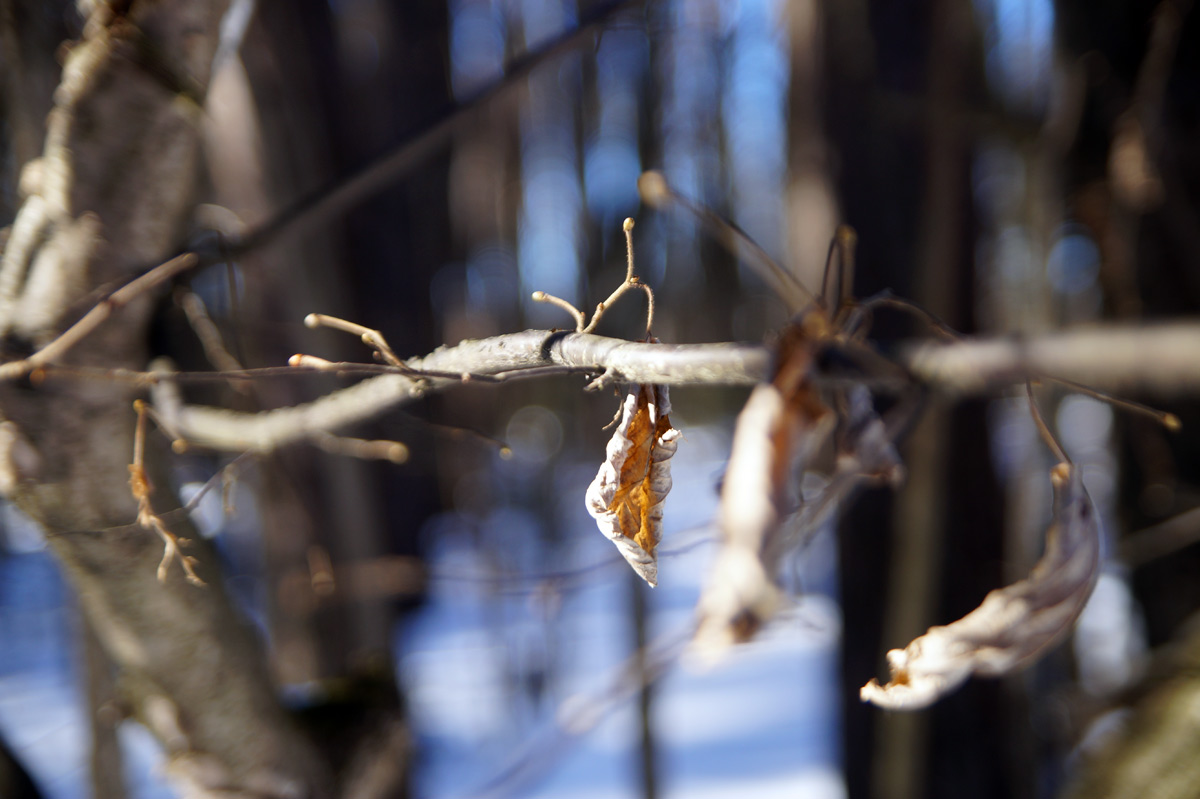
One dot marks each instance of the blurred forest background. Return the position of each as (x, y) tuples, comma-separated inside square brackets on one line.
[(1015, 166)]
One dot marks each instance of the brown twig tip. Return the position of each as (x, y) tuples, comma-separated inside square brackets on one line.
[(653, 189)]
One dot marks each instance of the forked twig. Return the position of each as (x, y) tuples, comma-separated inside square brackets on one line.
[(372, 338), (139, 485), (631, 281)]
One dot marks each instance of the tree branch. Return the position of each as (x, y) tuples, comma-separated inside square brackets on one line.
[(1159, 360), (530, 353)]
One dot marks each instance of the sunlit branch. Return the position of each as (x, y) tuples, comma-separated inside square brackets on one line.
[(1160, 360), (512, 355), (1157, 360)]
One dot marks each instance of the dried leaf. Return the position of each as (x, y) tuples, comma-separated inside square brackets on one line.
[(1015, 624), (770, 439), (781, 433), (780, 430), (626, 498)]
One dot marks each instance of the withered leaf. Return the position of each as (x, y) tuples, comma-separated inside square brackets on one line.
[(782, 427), (1014, 625), (626, 498), (781, 433)]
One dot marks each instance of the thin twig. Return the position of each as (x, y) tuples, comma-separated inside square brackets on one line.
[(1043, 429), (372, 338), (139, 485), (1161, 539), (576, 314), (376, 176), (97, 315), (631, 281), (657, 193), (206, 331), (364, 449)]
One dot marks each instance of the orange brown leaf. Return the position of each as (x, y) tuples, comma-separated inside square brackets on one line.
[(626, 498)]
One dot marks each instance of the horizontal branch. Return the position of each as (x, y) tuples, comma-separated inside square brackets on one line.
[(1162, 360), (511, 356)]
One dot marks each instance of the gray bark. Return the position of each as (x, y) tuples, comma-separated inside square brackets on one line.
[(110, 196)]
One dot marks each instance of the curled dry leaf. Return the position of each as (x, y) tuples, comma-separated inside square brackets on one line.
[(626, 498), (1015, 624), (782, 432)]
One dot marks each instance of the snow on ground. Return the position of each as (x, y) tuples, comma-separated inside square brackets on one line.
[(495, 656)]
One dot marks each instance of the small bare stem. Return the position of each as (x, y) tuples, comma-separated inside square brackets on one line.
[(393, 451), (631, 281), (649, 309), (372, 338), (139, 485), (576, 314), (628, 228), (656, 192), (1043, 430), (1167, 420), (206, 330), (302, 361)]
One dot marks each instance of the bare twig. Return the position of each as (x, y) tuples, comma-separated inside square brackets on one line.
[(348, 191), (206, 330), (516, 353), (139, 485), (1161, 539), (393, 451), (550, 299), (631, 281), (97, 315), (657, 193), (1127, 358), (372, 338)]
